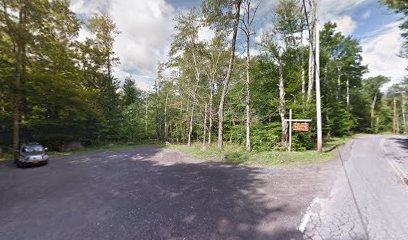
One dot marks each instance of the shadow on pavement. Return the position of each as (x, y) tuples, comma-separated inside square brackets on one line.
[(138, 194), (402, 142)]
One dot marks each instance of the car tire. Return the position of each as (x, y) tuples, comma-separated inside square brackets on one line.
[(19, 165)]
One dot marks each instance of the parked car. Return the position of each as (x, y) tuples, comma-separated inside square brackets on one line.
[(31, 154)]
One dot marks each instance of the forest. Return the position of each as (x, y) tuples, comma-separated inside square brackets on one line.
[(236, 87)]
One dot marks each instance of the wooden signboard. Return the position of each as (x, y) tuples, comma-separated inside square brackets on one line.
[(301, 126)]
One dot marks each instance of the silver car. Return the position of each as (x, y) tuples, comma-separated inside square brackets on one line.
[(31, 154)]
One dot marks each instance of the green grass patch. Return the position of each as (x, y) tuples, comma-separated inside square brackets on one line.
[(234, 154), (5, 156), (107, 147)]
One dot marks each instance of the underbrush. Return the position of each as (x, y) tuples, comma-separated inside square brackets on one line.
[(235, 154)]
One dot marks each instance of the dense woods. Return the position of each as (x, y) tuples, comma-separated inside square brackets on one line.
[(236, 86)]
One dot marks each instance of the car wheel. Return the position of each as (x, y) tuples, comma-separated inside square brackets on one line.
[(19, 164)]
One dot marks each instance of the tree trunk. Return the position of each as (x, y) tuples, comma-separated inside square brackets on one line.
[(205, 125), (197, 75), (326, 81), (373, 111), (19, 56), (338, 84), (282, 104), (404, 117), (348, 94), (318, 97), (181, 119), (146, 115), (228, 76), (190, 131), (303, 80), (248, 96), (158, 122), (211, 111), (302, 69), (312, 44), (166, 132), (394, 117)]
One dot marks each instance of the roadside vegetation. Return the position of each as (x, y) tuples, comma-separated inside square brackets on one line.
[(236, 154), (56, 88), (233, 154)]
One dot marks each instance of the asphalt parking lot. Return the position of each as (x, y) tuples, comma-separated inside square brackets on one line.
[(154, 193)]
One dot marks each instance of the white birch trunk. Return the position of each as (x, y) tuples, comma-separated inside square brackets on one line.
[(373, 111), (404, 117), (228, 76), (348, 94), (282, 104), (205, 126)]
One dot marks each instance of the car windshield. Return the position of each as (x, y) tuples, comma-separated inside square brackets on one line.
[(33, 148)]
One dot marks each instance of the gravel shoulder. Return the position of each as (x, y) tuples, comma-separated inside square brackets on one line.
[(156, 193)]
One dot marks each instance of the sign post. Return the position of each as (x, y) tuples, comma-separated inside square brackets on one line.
[(290, 130), (299, 125)]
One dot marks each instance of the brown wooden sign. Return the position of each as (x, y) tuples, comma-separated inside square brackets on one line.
[(301, 126)]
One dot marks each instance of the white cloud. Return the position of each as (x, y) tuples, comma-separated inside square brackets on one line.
[(336, 8), (338, 11), (88, 7), (328, 10), (83, 34), (143, 82), (206, 34), (366, 14), (380, 53), (145, 27), (345, 24)]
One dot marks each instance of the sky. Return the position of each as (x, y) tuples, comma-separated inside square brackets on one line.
[(146, 28)]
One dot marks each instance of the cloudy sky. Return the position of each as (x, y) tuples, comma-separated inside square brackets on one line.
[(146, 28)]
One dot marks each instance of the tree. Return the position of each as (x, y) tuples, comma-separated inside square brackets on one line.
[(186, 42), (401, 6), (17, 30), (342, 72), (280, 44), (247, 24), (373, 88), (220, 13), (102, 59), (312, 60), (130, 92)]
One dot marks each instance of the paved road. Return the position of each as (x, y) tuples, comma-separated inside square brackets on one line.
[(153, 193), (369, 199)]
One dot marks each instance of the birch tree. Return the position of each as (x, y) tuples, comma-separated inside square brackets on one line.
[(247, 28), (221, 14)]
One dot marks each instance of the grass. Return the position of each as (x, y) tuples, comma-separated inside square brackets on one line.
[(233, 154)]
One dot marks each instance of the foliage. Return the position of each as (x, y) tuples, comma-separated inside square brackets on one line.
[(69, 93)]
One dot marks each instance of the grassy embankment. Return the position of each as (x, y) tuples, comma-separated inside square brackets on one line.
[(237, 155)]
